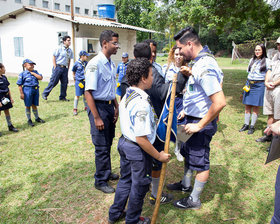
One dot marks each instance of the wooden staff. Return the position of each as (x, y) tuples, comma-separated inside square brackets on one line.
[(166, 148)]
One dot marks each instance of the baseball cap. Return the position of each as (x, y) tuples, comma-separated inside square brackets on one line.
[(28, 61), (83, 53), (124, 55), (278, 41)]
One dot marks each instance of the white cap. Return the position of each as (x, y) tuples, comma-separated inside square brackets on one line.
[(278, 41)]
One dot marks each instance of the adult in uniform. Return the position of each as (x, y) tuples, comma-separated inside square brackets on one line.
[(100, 84), (121, 71), (61, 64), (203, 101)]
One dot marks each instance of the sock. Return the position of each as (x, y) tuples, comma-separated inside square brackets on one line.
[(247, 119), (27, 112), (76, 100), (85, 102), (197, 190), (35, 112), (8, 119), (254, 119), (155, 183), (187, 179)]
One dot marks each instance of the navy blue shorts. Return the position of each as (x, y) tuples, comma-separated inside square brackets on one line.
[(78, 90), (159, 146), (196, 150), (31, 95)]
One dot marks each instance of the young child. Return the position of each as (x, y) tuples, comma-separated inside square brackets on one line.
[(6, 100), (28, 85), (79, 78), (138, 126)]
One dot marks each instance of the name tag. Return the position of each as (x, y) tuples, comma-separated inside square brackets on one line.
[(191, 87)]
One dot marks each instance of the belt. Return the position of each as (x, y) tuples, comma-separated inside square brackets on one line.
[(103, 101), (34, 87), (254, 82), (62, 66), (193, 118), (129, 141)]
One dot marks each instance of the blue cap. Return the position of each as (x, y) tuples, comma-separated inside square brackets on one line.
[(28, 61), (124, 55), (83, 53)]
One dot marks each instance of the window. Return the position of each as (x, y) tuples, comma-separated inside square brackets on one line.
[(77, 10), (17, 1), (45, 4), (18, 43), (56, 6), (86, 11), (94, 12), (32, 2), (67, 8)]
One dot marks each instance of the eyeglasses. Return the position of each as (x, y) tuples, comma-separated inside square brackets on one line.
[(116, 43)]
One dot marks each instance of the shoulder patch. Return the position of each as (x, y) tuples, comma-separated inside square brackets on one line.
[(142, 115)]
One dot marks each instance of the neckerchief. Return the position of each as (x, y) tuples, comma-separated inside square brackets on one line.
[(204, 52)]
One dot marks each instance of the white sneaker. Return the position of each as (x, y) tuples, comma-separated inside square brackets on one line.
[(180, 158)]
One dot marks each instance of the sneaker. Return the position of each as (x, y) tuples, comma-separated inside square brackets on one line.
[(165, 198), (122, 216), (39, 120), (75, 112), (187, 203), (105, 189), (179, 187), (265, 138), (114, 176), (12, 128), (244, 128), (144, 220), (44, 97), (251, 130), (64, 99), (30, 123)]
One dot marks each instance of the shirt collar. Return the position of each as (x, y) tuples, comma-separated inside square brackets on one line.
[(103, 58), (140, 91)]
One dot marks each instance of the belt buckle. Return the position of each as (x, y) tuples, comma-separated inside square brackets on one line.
[(110, 101), (36, 87), (252, 82)]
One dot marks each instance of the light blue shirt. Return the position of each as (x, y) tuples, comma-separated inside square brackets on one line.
[(100, 77), (136, 116), (169, 71), (255, 73), (205, 81), (159, 69), (63, 55)]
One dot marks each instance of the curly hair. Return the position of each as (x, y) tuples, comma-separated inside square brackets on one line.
[(1, 65), (137, 69)]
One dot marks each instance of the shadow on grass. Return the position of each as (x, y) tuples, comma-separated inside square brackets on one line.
[(66, 195)]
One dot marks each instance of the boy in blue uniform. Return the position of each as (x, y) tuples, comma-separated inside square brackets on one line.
[(138, 126), (28, 85), (79, 78), (6, 101), (121, 70)]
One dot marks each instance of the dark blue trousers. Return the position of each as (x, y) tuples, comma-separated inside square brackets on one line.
[(59, 74), (136, 166), (102, 141), (276, 217)]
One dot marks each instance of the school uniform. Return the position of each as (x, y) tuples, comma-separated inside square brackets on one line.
[(205, 81), (100, 79), (30, 87), (79, 69), (4, 92), (137, 118), (60, 73), (255, 80), (121, 70)]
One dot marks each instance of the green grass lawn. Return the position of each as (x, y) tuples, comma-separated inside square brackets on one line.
[(47, 172)]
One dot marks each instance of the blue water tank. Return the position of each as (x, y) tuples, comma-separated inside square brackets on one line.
[(106, 11)]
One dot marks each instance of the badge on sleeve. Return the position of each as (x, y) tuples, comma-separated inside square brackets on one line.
[(142, 115)]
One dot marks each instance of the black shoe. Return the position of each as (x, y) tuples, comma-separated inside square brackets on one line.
[(30, 123), (12, 128), (144, 220), (64, 99), (165, 198), (122, 216), (44, 97), (114, 176), (244, 128), (105, 189), (265, 138), (39, 120), (251, 130), (187, 203), (179, 187)]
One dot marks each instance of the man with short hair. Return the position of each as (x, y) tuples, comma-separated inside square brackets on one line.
[(203, 101), (100, 84), (61, 63)]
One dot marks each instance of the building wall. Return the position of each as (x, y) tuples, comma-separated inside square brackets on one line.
[(7, 6)]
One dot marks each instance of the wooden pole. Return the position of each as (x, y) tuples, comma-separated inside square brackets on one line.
[(73, 29), (166, 149)]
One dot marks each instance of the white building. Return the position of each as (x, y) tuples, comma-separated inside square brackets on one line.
[(82, 7), (35, 34)]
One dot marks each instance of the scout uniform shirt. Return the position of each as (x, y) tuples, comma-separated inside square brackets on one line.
[(136, 115), (275, 68), (79, 69), (4, 83), (100, 76), (63, 55), (255, 73), (26, 79)]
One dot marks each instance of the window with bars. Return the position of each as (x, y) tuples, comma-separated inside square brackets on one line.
[(18, 44), (77, 10), (86, 11), (67, 8)]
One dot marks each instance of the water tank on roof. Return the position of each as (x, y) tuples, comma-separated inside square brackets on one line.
[(106, 11)]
